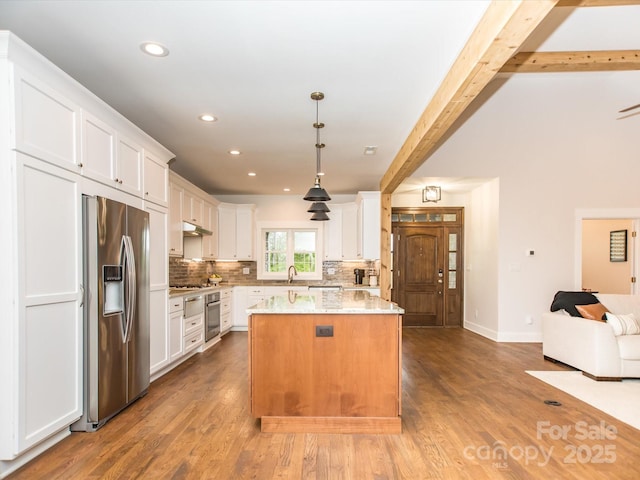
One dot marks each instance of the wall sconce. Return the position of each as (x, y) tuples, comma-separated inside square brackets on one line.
[(431, 194)]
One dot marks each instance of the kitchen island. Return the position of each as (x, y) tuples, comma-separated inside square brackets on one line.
[(326, 361)]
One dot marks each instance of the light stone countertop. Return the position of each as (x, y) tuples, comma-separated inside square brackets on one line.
[(326, 301)]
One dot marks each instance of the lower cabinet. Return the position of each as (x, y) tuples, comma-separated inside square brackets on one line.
[(176, 325), (226, 310), (193, 333), (159, 330)]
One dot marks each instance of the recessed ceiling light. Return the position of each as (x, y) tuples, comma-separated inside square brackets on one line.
[(207, 117), (154, 49), (234, 152), (370, 150), (252, 174), (286, 189)]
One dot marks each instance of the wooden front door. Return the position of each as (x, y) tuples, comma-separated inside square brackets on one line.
[(427, 261)]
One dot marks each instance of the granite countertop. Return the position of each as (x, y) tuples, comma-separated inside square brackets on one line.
[(178, 292), (326, 301)]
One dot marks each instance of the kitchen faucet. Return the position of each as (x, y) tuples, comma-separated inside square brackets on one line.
[(295, 272)]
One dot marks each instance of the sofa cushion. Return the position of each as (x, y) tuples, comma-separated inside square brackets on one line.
[(620, 303), (595, 311), (623, 324), (569, 300), (629, 346)]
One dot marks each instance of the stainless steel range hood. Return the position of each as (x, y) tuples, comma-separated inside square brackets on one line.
[(192, 230)]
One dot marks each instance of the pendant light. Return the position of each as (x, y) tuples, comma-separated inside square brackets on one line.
[(317, 194)]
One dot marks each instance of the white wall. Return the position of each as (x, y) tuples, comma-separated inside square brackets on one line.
[(582, 158)]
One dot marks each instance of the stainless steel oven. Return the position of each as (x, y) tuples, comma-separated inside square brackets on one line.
[(211, 316)]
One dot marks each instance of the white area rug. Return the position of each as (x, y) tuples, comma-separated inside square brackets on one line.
[(618, 399)]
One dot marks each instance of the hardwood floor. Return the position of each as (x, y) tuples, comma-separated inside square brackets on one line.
[(464, 398)]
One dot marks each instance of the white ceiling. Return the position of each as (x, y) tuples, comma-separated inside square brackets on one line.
[(253, 64)]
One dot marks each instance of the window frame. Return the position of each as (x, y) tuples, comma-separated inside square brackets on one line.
[(290, 228)]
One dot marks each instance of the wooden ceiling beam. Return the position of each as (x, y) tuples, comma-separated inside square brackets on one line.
[(591, 61), (503, 28)]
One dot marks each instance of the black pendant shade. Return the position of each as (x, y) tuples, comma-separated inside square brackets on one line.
[(317, 193), (318, 207), (319, 216)]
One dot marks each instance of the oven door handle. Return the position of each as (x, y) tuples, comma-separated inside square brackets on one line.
[(214, 303)]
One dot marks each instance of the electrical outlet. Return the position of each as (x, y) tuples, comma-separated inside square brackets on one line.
[(245, 271), (324, 330), (331, 271)]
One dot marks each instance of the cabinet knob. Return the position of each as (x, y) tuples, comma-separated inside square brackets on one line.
[(146, 193), (116, 180), (120, 181), (80, 165)]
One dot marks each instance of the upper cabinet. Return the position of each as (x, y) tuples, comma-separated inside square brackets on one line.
[(155, 180), (236, 231), (368, 225), (188, 203), (128, 175), (46, 123), (175, 219), (98, 149), (353, 230), (192, 208)]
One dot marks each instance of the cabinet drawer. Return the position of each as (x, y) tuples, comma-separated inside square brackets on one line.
[(175, 304), (225, 307), (193, 341), (225, 322), (192, 324), (226, 293)]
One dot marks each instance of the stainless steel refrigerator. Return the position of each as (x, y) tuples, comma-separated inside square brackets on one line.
[(116, 309)]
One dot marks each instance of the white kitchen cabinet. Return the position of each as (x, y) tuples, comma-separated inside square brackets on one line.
[(176, 340), (349, 231), (98, 149), (158, 280), (226, 231), (42, 389), (156, 179), (192, 208), (175, 220), (245, 227), (226, 309), (47, 124), (368, 225), (210, 222), (333, 234), (243, 298), (236, 230), (128, 174), (158, 330), (240, 299)]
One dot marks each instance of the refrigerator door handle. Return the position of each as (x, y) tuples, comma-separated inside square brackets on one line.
[(130, 272)]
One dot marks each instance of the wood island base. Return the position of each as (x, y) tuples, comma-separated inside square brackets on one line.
[(326, 373)]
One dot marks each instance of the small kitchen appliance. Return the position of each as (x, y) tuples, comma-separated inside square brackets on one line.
[(359, 273)]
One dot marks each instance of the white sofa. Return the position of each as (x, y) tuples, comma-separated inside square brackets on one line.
[(590, 345)]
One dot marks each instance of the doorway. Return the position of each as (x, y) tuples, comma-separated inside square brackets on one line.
[(604, 269), (427, 259)]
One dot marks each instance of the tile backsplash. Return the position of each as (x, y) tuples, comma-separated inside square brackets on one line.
[(187, 272)]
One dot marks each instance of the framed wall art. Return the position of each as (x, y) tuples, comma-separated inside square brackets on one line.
[(618, 246)]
